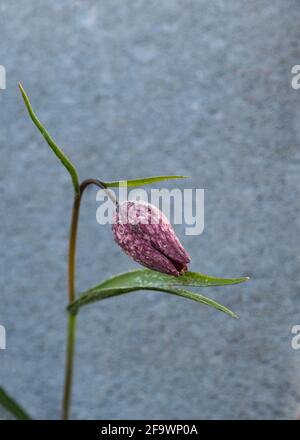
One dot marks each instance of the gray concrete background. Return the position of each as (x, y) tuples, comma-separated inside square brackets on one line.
[(132, 88)]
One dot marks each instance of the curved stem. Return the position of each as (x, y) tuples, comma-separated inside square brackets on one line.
[(101, 185), (71, 290)]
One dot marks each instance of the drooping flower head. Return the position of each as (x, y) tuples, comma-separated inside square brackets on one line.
[(145, 234)]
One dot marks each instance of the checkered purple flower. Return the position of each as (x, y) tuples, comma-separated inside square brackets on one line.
[(145, 234)]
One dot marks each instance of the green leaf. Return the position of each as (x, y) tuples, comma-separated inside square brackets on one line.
[(12, 406), (103, 293), (146, 279), (142, 181), (55, 148)]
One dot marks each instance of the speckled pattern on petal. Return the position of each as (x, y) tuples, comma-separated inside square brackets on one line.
[(146, 235)]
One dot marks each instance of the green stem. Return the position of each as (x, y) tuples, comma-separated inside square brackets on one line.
[(69, 365), (71, 291), (72, 247), (71, 317)]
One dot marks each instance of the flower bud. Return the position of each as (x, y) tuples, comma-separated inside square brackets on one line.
[(145, 234)]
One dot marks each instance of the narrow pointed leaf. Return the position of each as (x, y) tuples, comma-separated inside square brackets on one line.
[(145, 279), (55, 148), (99, 294), (203, 300), (141, 181), (12, 406)]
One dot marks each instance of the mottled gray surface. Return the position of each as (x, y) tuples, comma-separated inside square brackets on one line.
[(138, 87)]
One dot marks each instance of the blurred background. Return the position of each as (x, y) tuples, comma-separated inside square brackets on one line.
[(135, 88)]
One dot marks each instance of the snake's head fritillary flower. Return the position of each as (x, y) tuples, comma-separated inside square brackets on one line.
[(145, 234)]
